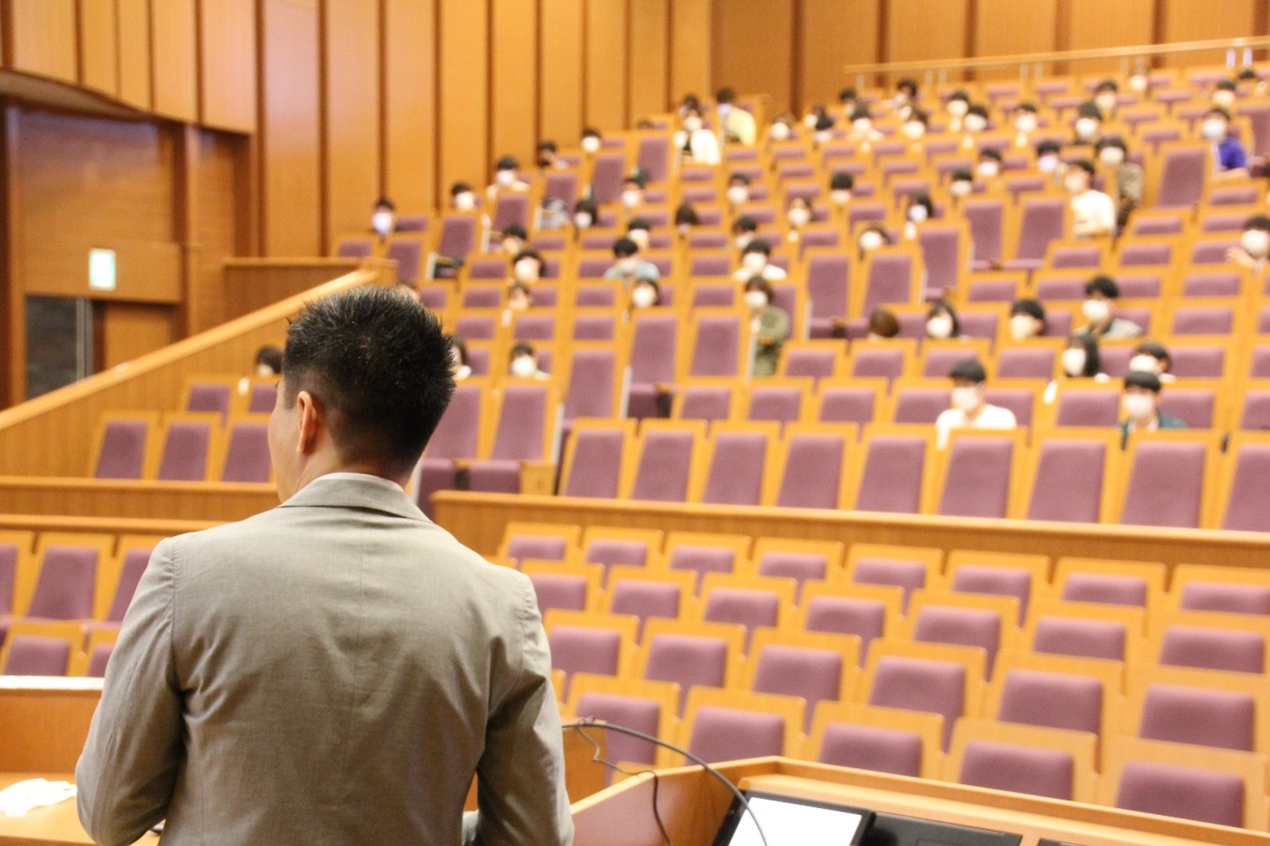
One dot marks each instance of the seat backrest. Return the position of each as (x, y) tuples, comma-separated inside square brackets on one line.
[(1180, 791), (664, 465), (1182, 176), (593, 389), (1026, 363), (1068, 482), (1043, 220), (827, 285), (186, 446), (1213, 648), (1166, 484), (458, 433), (66, 585), (716, 346), (978, 478), (1057, 700), (527, 416), (848, 404), (209, 397), (593, 466), (654, 348), (35, 655), (1087, 407), (408, 253), (921, 684), (812, 474), (130, 571), (122, 450), (889, 280), (247, 456), (1221, 718), (893, 474), (1017, 768), (737, 468)]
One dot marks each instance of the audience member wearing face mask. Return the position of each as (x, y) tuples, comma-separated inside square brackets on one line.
[(633, 190), (1254, 244), (735, 123), (904, 100), (1099, 308), (459, 367), (975, 122), (919, 210), (957, 106), (645, 293), (383, 219), (1093, 212), (743, 231), (1229, 156), (738, 192), (841, 184), (527, 267), (506, 178), (872, 238), (585, 215), (969, 407), (1047, 159), (628, 265), (1224, 93), (268, 362), (1081, 359), (988, 167), (513, 240), (462, 197), (862, 128), (519, 299), (548, 156), (1152, 357), (1088, 124), (1128, 178), (1025, 123), (782, 128), (685, 219), (914, 128), (797, 216), (1140, 404), (694, 142), (1107, 99), (769, 325), (756, 261), (942, 323), (1027, 320), (592, 140), (523, 363), (961, 184)]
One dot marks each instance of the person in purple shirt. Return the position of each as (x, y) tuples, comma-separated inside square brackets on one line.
[(1231, 159)]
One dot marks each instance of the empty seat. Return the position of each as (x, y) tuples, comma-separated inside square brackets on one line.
[(935, 678), (889, 740), (978, 475), (1166, 483), (646, 706), (1042, 762), (734, 725), (122, 443), (663, 463), (690, 654), (813, 458)]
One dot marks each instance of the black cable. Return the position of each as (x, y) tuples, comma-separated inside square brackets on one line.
[(588, 722), (656, 779)]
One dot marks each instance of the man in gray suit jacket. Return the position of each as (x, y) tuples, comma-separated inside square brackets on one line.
[(335, 670)]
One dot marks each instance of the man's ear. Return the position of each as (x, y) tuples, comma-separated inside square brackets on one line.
[(312, 421)]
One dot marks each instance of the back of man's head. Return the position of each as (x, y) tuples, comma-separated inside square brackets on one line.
[(378, 364)]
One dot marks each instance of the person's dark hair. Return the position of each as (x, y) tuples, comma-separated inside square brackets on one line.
[(515, 230), (744, 223), (638, 175), (860, 112), (648, 280), (725, 95), (459, 343), (506, 163), (591, 132), (971, 370), (1111, 141), (519, 288), (624, 248), (1154, 349), (530, 254), (960, 94), (758, 283), (1107, 85), (824, 122), (883, 323), (690, 101), (941, 307), (385, 203), (921, 198), (879, 229), (1032, 308), (588, 206), (920, 116), (1258, 221), (519, 349), (270, 356), (1089, 110), (1093, 360), (1143, 379), (1104, 285), (460, 188), (1247, 73), (846, 95), (962, 174), (990, 153), (978, 109), (1046, 147), (639, 223), (1229, 84), (378, 365), (685, 213), (758, 245), (1083, 164), (743, 178), (841, 181), (1026, 106), (1220, 112), (549, 146), (908, 85)]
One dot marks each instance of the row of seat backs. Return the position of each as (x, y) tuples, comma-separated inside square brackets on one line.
[(46, 648), (70, 575), (181, 447)]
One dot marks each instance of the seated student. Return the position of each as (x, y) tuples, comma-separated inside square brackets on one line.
[(1107, 98), (872, 238), (383, 218), (822, 133), (513, 240), (1088, 125), (1129, 178), (769, 324), (1025, 123), (585, 215), (694, 142), (685, 218), (527, 268), (1226, 90), (797, 216), (627, 264), (506, 178), (645, 293), (523, 363), (633, 189), (920, 209), (756, 261), (914, 130), (942, 322), (519, 298), (969, 408), (840, 187), (1047, 160), (639, 230), (957, 106), (1140, 404), (743, 231), (738, 192), (988, 167), (1229, 156), (547, 156), (459, 367), (1079, 360), (961, 184), (974, 123), (862, 129), (904, 100), (462, 197), (1099, 308), (268, 362), (1093, 212), (591, 141), (1027, 320), (736, 125), (1254, 243), (883, 325), (1152, 357)]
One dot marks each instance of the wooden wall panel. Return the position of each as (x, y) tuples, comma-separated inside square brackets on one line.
[(834, 33), (689, 48), (514, 80), (463, 89), (351, 114), (227, 64), (1007, 28), (43, 38), (606, 63), (218, 234), (173, 29), (1088, 26), (134, 52), (1196, 20), (648, 59), (562, 69), (99, 46), (289, 177), (749, 65), (918, 30), (410, 103), (127, 331)]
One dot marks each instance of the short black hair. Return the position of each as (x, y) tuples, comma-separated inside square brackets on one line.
[(1229, 84), (515, 230), (460, 188), (530, 254), (758, 245), (1143, 379), (378, 364), (737, 176), (920, 116), (943, 307), (591, 132), (1107, 85), (978, 109), (1154, 349), (385, 203), (962, 174), (1258, 221), (921, 198), (1220, 112), (639, 223), (271, 356), (1048, 146), (547, 145), (841, 181), (624, 248), (638, 175), (990, 153), (960, 94), (860, 112), (1111, 141), (971, 370), (758, 283), (745, 223), (587, 205), (1083, 164), (686, 213), (1089, 110), (1026, 106), (907, 84), (1093, 359), (506, 163), (1030, 307), (725, 95), (1247, 73), (846, 94), (825, 122), (519, 349), (1104, 285)]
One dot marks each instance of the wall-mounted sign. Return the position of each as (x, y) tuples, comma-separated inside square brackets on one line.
[(101, 269)]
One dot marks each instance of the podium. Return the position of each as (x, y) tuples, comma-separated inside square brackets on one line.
[(692, 804)]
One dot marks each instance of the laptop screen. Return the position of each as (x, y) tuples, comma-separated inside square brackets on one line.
[(790, 821)]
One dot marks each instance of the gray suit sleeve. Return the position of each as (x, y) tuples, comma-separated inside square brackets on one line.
[(130, 761), (521, 792)]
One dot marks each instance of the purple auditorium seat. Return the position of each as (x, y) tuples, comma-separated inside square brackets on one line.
[(847, 404), (455, 437), (1166, 484), (123, 450), (524, 417), (817, 363), (1212, 252), (434, 297), (960, 626), (598, 295), (799, 566), (412, 223), (987, 223), (827, 292), (643, 599), (493, 269), (209, 396), (1222, 222), (559, 590), (1087, 407), (710, 265), (247, 454), (408, 253), (1187, 792), (705, 402), (35, 655), (538, 547), (654, 350), (1246, 508), (134, 564), (890, 280), (579, 649), (1224, 719), (881, 360), (909, 575), (707, 240), (892, 477), (980, 324), (1156, 226), (705, 295), (1154, 136), (1203, 361), (1259, 360), (653, 155), (66, 584), (1214, 283), (865, 212), (1069, 480), (1200, 595), (561, 185), (547, 241), (484, 296), (717, 347), (262, 398), (812, 475), (992, 291), (476, 327), (1025, 363), (98, 660), (1056, 700), (1021, 769), (1043, 220), (732, 734), (1136, 255), (595, 327), (998, 581), (779, 403), (1080, 637), (597, 462), (643, 715), (872, 748), (1109, 590), (702, 559), (1060, 288), (747, 607), (593, 267), (937, 361), (1020, 401), (458, 236), (1182, 175), (977, 483), (607, 177), (687, 660), (1142, 286), (737, 466), (534, 327), (920, 684), (941, 252), (8, 578), (1115, 360), (810, 674), (1076, 256), (591, 383), (609, 552), (1194, 406), (355, 248), (920, 404), (1213, 649), (864, 618), (185, 451), (817, 237), (1204, 320), (664, 465)]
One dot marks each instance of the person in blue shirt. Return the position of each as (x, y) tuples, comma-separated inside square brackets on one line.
[(1229, 156)]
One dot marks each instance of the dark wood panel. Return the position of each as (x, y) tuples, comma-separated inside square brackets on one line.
[(134, 52), (227, 57)]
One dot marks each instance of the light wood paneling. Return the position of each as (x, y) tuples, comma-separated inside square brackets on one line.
[(513, 80), (925, 29), (45, 728), (1006, 28), (220, 169), (173, 27), (251, 284), (561, 76), (203, 501), (834, 33), (410, 103), (463, 133), (227, 62), (1197, 20), (127, 331), (43, 37), (748, 64), (351, 114), (647, 58), (134, 52), (689, 48), (290, 179), (606, 63), (1089, 26), (99, 46)]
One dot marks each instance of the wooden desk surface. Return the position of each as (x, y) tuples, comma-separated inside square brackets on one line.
[(56, 825)]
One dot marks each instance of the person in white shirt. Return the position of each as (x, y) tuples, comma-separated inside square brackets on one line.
[(506, 178), (1093, 212), (756, 261), (736, 124), (969, 408), (697, 144)]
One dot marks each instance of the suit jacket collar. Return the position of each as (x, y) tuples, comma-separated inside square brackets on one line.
[(355, 490)]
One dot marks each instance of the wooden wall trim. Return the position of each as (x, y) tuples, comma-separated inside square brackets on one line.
[(205, 503), (101, 525)]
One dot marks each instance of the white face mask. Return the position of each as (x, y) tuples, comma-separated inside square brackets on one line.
[(940, 326), (582, 220), (914, 129), (683, 229), (640, 237), (1075, 184), (505, 178), (917, 214), (738, 194), (810, 121), (1138, 83), (756, 300), (822, 137), (1086, 128), (960, 188), (862, 125), (264, 371), (1224, 98), (513, 246), (799, 217), (1214, 129), (900, 100), (1047, 164), (743, 241), (988, 168), (626, 265), (1095, 311), (1111, 156), (840, 196), (590, 144), (524, 366), (724, 109), (1073, 361), (643, 296), (975, 123), (779, 132), (382, 222), (965, 398), (1255, 242), (1144, 364), (1106, 103), (692, 124), (1025, 122), (870, 241), (631, 198), (754, 261), (1138, 406), (1022, 326), (526, 270), (464, 201), (957, 108)]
